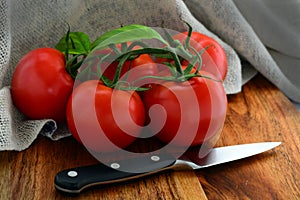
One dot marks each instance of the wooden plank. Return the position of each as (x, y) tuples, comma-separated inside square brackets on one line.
[(5, 174), (259, 113), (32, 174)]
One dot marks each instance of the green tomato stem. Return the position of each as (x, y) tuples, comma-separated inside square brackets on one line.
[(174, 50)]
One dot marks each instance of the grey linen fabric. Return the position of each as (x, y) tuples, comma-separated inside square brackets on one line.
[(272, 49)]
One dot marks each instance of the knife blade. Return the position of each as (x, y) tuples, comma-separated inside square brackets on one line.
[(74, 180)]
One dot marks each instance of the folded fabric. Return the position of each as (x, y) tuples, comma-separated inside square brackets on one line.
[(226, 20), (25, 25), (277, 25)]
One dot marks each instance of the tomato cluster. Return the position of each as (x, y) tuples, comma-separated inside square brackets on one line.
[(180, 100)]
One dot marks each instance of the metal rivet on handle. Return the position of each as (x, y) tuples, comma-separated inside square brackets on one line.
[(72, 174), (115, 165), (155, 158)]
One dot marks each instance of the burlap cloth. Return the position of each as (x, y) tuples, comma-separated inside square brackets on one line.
[(263, 33)]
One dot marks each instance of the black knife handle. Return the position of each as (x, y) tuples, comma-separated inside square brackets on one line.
[(76, 179)]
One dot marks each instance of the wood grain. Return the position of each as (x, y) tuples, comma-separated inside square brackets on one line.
[(260, 113), (33, 171)]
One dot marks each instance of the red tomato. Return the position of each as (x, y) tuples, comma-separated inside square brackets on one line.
[(131, 70), (213, 59), (194, 110), (144, 61), (102, 118), (41, 86)]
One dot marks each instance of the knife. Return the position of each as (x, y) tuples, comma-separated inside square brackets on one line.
[(75, 180)]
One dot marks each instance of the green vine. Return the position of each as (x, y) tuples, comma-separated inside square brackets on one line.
[(78, 50)]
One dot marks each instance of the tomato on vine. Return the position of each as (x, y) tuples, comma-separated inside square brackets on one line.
[(214, 59), (203, 114), (202, 107), (132, 69), (105, 111), (102, 118), (213, 56)]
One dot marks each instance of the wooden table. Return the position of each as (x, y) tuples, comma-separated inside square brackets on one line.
[(260, 113)]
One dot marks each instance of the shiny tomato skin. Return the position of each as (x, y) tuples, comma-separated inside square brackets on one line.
[(41, 86), (144, 61), (133, 69), (214, 58), (211, 103), (93, 111)]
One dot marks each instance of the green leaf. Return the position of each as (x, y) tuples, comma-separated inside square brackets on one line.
[(124, 34), (78, 43)]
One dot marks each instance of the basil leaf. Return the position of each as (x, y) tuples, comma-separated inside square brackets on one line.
[(124, 34), (78, 43)]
